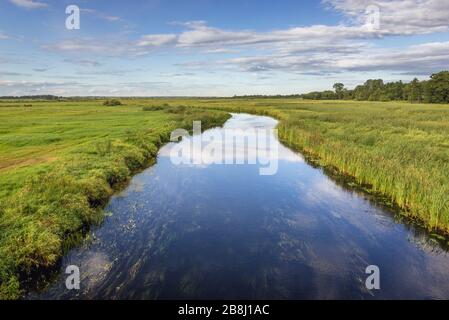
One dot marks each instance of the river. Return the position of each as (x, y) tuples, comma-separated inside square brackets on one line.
[(227, 232)]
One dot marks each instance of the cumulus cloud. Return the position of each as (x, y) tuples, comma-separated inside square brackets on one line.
[(427, 57), (347, 46), (307, 50), (209, 39), (422, 59), (201, 35), (334, 48), (28, 4), (397, 17)]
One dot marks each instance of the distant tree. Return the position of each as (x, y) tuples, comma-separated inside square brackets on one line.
[(393, 91), (437, 88), (399, 91), (415, 91), (34, 97), (339, 88), (348, 94)]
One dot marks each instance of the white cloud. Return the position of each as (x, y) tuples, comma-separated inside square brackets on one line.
[(403, 17), (157, 40), (397, 17), (201, 35), (421, 59), (99, 47), (333, 48), (28, 4), (307, 50), (221, 51)]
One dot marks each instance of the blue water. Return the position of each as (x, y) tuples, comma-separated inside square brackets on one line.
[(225, 231)]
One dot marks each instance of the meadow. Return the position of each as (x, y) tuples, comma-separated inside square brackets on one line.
[(61, 161), (59, 164)]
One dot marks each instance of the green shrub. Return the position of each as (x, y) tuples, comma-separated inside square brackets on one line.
[(153, 108), (112, 103), (176, 110)]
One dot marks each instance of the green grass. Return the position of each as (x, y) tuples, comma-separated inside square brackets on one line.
[(402, 151), (61, 161)]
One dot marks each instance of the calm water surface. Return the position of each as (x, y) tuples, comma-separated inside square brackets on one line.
[(225, 231)]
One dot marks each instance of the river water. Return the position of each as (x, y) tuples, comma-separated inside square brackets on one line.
[(228, 232)]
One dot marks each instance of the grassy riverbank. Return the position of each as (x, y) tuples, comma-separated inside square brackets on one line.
[(59, 164), (61, 161)]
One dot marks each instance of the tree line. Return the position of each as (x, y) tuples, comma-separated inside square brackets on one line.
[(434, 90), (32, 97)]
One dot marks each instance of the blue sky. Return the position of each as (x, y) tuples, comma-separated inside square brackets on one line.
[(216, 47)]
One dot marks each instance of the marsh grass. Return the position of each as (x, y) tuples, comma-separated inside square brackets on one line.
[(49, 204)]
